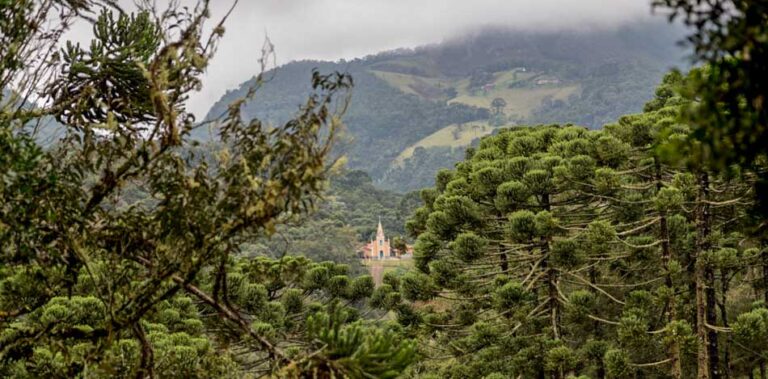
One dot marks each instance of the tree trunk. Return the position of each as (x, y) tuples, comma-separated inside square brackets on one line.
[(554, 303), (724, 318), (708, 357), (552, 279), (596, 325), (764, 256), (702, 360), (712, 340), (504, 265), (666, 256), (600, 370), (503, 260)]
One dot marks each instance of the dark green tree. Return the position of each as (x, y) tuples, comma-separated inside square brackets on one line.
[(550, 242), (498, 104)]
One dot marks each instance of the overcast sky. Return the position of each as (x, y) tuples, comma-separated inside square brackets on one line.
[(334, 29)]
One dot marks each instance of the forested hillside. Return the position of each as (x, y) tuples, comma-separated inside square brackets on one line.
[(381, 120), (347, 214), (587, 78)]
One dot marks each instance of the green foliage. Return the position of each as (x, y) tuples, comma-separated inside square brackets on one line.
[(729, 37), (114, 63), (351, 350), (560, 360), (425, 250), (751, 329), (567, 254), (417, 286), (120, 252), (509, 296), (617, 364), (467, 246), (522, 226)]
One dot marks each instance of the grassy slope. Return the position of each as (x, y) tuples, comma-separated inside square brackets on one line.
[(521, 101), (405, 82), (452, 135)]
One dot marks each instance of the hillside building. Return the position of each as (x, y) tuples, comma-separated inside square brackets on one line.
[(381, 247)]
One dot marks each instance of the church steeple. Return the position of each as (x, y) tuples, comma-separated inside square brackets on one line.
[(380, 231), (380, 247)]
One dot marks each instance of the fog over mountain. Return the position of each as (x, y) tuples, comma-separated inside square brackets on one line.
[(415, 110), (334, 29), (418, 66), (345, 29)]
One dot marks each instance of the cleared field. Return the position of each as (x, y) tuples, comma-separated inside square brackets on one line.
[(405, 82), (451, 135), (520, 101), (390, 264), (508, 77)]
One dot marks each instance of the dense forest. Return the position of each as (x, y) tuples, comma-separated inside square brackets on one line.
[(587, 253), (132, 246), (348, 213)]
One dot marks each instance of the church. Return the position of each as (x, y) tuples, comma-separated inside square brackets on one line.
[(381, 248)]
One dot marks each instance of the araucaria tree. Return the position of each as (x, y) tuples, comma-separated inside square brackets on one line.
[(555, 251), (118, 241)]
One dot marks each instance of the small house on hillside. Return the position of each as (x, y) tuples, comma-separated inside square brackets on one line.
[(547, 80), (489, 87)]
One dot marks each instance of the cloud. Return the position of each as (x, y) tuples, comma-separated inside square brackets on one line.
[(334, 29)]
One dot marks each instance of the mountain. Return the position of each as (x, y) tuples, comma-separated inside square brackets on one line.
[(404, 97), (45, 130)]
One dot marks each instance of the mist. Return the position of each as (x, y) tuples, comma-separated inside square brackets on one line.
[(344, 29)]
